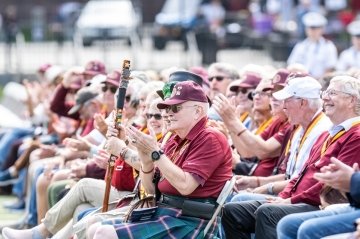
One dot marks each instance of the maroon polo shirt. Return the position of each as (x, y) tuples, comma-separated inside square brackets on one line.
[(59, 105), (304, 188), (204, 153), (266, 166)]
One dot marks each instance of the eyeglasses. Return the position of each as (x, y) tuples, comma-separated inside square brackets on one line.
[(112, 89), (260, 93), (176, 108), (156, 116), (217, 78), (331, 93), (243, 91)]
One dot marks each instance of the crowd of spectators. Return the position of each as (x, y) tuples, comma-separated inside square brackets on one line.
[(288, 136)]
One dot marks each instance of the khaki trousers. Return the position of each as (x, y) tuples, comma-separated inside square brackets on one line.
[(87, 190)]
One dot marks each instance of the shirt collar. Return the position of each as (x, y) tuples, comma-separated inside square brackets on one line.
[(194, 131), (344, 125)]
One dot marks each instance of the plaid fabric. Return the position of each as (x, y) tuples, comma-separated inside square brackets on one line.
[(167, 223)]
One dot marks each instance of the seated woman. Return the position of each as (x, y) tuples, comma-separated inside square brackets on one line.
[(193, 168)]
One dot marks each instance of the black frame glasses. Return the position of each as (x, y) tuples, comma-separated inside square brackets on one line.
[(157, 116), (243, 91), (112, 89), (217, 78)]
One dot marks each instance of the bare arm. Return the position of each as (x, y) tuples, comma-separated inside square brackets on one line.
[(247, 144), (184, 182)]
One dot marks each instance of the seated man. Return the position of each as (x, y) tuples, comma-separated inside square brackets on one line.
[(304, 110), (193, 168), (319, 224), (302, 192)]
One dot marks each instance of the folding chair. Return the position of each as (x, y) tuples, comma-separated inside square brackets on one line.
[(225, 192)]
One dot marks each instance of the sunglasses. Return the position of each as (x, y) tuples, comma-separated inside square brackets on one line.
[(112, 89), (243, 91), (176, 108), (217, 78), (156, 116)]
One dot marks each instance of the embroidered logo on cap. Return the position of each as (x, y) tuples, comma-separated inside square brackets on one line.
[(176, 91)]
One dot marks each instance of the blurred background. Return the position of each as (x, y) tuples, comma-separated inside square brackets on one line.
[(156, 34)]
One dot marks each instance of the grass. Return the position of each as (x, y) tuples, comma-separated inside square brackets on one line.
[(8, 216)]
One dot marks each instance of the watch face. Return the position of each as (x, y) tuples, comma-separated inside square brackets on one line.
[(155, 155)]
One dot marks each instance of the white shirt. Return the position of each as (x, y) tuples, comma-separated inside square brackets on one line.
[(317, 57), (348, 58), (298, 157)]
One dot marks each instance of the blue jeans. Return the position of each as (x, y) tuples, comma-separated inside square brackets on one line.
[(336, 219), (9, 138), (245, 196)]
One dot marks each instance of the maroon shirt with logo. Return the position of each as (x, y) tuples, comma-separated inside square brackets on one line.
[(204, 153), (304, 188)]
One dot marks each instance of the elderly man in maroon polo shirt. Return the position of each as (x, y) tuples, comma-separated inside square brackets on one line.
[(193, 167), (341, 104)]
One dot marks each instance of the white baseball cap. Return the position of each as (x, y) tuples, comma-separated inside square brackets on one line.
[(303, 87), (354, 28), (314, 19)]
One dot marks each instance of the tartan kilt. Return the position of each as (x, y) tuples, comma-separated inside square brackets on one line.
[(167, 223)]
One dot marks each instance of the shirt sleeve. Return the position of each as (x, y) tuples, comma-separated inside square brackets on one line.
[(59, 105)]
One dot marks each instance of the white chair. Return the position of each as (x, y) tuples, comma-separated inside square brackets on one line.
[(225, 192)]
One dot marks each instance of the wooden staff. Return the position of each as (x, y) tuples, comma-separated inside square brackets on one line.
[(125, 77)]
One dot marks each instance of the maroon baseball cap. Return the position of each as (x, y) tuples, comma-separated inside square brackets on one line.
[(94, 67), (250, 81), (185, 91), (279, 80), (114, 78)]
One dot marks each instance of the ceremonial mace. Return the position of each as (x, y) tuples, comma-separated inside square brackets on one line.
[(125, 77)]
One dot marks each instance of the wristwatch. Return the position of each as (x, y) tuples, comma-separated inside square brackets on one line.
[(270, 188), (155, 155)]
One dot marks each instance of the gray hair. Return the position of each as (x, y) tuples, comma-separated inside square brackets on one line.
[(205, 107), (135, 85), (225, 68), (314, 104), (349, 85), (151, 87)]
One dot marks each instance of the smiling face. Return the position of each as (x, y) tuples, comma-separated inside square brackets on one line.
[(337, 103), (154, 118)]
